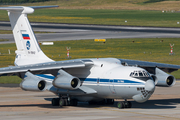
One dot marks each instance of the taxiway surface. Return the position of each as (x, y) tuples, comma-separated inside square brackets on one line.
[(83, 32), (17, 104)]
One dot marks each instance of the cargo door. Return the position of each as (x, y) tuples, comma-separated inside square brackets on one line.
[(111, 86)]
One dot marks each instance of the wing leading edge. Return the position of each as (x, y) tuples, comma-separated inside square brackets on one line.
[(144, 64), (39, 68)]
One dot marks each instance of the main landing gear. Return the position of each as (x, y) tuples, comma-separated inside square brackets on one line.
[(124, 104), (64, 101)]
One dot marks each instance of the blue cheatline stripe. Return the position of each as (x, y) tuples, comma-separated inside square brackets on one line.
[(107, 80), (88, 79), (46, 76), (93, 79)]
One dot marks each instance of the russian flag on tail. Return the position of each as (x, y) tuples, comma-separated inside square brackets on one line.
[(26, 36)]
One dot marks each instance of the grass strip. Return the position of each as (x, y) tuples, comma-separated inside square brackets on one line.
[(103, 17)]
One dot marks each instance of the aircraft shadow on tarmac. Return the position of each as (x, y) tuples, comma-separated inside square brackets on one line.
[(151, 104), (157, 104)]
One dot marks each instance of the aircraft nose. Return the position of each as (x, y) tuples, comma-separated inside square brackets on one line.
[(146, 92)]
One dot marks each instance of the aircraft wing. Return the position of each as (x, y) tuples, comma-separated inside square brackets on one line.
[(39, 68), (144, 64)]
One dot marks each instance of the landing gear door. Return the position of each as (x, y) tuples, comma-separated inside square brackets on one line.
[(111, 86)]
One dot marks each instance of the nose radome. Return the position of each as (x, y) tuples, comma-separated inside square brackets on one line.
[(150, 85)]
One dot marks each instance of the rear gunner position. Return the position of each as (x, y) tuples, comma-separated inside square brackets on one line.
[(90, 80)]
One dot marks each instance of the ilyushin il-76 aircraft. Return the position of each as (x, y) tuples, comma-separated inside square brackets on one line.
[(95, 80)]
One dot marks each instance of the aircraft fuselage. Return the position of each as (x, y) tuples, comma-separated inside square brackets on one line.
[(111, 80)]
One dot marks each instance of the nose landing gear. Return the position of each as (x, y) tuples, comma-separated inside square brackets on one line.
[(124, 104)]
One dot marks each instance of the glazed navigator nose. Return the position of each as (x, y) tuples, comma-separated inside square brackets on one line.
[(146, 92)]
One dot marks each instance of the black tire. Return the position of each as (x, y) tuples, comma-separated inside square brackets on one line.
[(120, 105), (129, 105), (55, 101), (61, 102)]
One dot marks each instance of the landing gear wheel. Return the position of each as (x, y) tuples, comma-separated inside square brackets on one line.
[(129, 105), (125, 104), (55, 101), (120, 105), (61, 102)]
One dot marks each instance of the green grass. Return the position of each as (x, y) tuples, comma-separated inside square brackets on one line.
[(141, 49), (5, 31), (4, 40), (107, 17), (111, 4), (10, 79), (10, 32), (103, 17)]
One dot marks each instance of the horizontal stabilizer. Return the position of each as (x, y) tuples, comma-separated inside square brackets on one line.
[(40, 7), (20, 8)]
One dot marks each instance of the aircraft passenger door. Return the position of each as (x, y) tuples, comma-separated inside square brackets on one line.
[(111, 86)]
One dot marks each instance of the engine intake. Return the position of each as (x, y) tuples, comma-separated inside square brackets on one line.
[(41, 85), (170, 80), (66, 81)]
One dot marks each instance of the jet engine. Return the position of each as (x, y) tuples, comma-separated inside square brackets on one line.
[(32, 83), (66, 81), (163, 79)]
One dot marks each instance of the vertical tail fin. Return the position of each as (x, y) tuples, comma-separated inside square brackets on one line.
[(28, 50)]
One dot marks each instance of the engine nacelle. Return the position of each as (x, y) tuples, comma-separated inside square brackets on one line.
[(66, 81), (164, 79), (32, 83)]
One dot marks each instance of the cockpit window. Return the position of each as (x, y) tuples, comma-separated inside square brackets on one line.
[(143, 75)]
